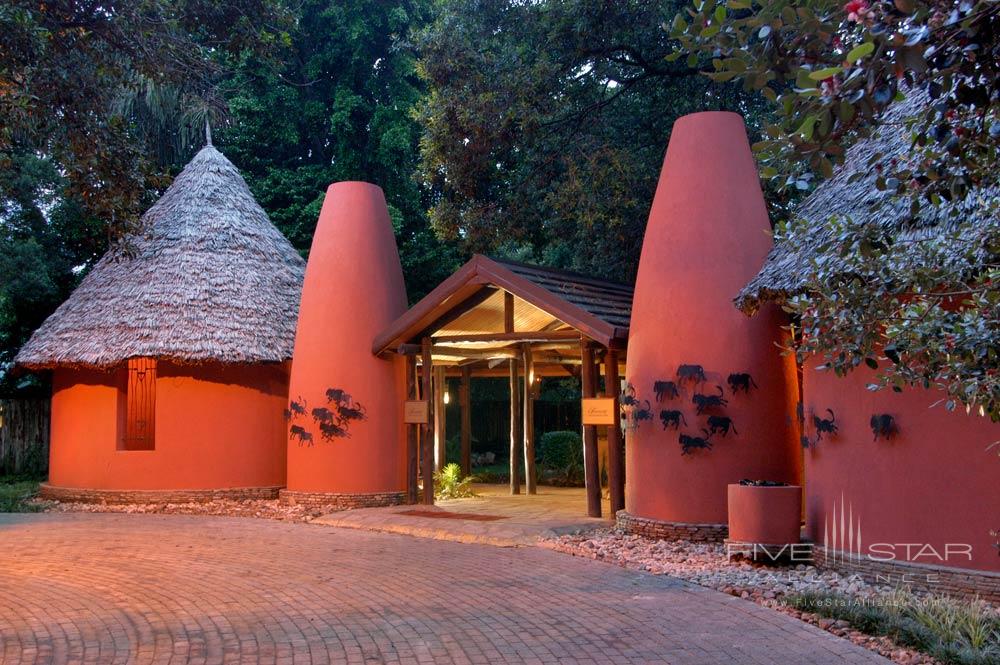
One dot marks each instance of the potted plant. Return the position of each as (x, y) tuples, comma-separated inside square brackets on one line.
[(763, 512)]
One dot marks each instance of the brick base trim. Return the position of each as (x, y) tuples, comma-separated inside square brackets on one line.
[(650, 528), (338, 501), (86, 495), (963, 582)]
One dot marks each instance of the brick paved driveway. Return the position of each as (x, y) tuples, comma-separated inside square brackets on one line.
[(180, 589)]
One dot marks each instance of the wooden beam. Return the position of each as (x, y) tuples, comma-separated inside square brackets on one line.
[(508, 312), (592, 473), (465, 399), (515, 429), (440, 417), (530, 476), (509, 336), (411, 433), (426, 435), (476, 354), (616, 452), (481, 369)]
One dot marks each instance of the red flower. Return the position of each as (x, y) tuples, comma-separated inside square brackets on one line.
[(856, 10)]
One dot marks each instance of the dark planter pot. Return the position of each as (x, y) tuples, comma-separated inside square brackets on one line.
[(765, 515)]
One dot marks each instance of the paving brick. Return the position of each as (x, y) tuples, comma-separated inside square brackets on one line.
[(151, 589)]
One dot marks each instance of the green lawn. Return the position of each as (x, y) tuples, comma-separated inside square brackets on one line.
[(14, 491)]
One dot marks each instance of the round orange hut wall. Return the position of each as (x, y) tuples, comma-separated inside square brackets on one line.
[(718, 393), (346, 437), (170, 368)]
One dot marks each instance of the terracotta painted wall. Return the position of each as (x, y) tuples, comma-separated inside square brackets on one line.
[(216, 427), (934, 483), (353, 290), (707, 235)]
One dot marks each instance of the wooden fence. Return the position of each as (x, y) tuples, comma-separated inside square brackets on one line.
[(24, 436)]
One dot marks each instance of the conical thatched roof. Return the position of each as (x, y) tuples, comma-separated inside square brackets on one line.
[(211, 279), (853, 195)]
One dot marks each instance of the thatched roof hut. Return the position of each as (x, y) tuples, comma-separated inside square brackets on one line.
[(210, 279), (852, 193)]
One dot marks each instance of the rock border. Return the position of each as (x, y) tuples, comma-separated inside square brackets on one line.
[(342, 501), (112, 496), (961, 582), (662, 530)]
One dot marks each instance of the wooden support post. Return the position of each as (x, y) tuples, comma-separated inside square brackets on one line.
[(515, 400), (530, 476), (440, 429), (411, 433), (592, 472), (465, 400), (616, 452), (515, 429), (426, 434)]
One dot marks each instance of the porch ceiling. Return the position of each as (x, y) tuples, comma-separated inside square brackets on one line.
[(465, 315)]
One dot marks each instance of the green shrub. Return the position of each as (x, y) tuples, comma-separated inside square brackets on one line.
[(562, 453), (449, 483), (15, 493), (950, 630)]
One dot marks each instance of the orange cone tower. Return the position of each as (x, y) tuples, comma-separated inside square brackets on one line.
[(346, 440), (708, 234)]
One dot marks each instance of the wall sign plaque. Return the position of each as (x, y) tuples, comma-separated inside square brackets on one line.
[(598, 411), (415, 412)]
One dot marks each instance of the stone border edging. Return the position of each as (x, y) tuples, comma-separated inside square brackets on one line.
[(111, 496), (966, 582), (342, 501), (650, 528)]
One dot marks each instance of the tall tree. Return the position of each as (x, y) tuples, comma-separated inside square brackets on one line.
[(340, 107), (546, 123)]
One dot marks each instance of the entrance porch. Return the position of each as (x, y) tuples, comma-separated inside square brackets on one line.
[(495, 318)]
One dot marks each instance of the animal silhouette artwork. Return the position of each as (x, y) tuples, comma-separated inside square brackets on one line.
[(333, 420), (740, 381), (883, 426), (825, 425), (665, 389), (691, 443), (705, 402), (643, 413), (295, 408), (300, 433), (672, 419), (721, 425), (628, 398), (695, 373)]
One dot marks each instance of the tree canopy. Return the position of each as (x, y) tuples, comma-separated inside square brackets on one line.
[(546, 122), (339, 106)]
